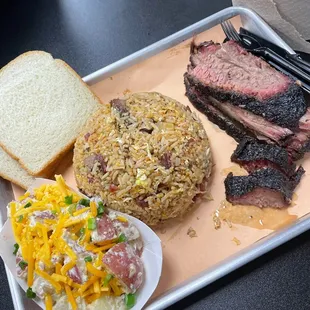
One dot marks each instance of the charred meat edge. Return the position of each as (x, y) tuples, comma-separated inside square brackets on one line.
[(267, 178), (284, 109)]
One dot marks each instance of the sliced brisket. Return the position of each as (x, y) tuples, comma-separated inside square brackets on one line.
[(254, 155), (263, 188), (228, 73), (256, 125), (239, 123), (232, 128)]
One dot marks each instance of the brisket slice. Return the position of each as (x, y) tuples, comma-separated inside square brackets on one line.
[(263, 188), (231, 127), (254, 155), (228, 119), (227, 72), (255, 124)]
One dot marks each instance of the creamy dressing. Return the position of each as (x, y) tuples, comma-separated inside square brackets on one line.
[(79, 271)]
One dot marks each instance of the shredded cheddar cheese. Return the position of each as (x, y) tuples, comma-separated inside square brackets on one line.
[(93, 208), (67, 267), (121, 219), (49, 234), (48, 302), (95, 271), (87, 284), (49, 279), (70, 297), (97, 287), (92, 298), (103, 248), (81, 211), (23, 197)]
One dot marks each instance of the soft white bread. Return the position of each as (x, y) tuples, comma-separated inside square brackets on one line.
[(12, 171), (44, 104)]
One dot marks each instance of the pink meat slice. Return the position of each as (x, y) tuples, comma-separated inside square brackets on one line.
[(46, 214), (125, 265), (74, 275), (105, 230)]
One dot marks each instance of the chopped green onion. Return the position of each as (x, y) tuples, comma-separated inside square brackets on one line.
[(88, 259), (68, 200), (72, 208), (107, 279), (84, 202), (82, 231), (130, 300), (121, 238), (20, 218), (27, 205), (16, 247), (23, 265), (30, 293), (92, 223), (54, 211), (100, 209)]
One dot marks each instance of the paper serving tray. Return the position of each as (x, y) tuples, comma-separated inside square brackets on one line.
[(190, 263)]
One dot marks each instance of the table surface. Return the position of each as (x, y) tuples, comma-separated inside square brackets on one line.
[(92, 34)]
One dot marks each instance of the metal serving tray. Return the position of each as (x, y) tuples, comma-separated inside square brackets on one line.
[(255, 24)]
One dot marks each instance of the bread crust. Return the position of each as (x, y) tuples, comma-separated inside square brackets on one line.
[(15, 181), (49, 167)]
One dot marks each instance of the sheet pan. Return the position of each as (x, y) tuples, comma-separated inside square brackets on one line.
[(160, 67)]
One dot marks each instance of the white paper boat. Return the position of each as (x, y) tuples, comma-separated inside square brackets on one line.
[(151, 256)]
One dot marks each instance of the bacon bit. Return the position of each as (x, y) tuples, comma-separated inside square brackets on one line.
[(141, 202), (165, 160), (92, 159), (86, 137), (90, 179), (119, 105), (146, 130), (192, 232), (113, 188)]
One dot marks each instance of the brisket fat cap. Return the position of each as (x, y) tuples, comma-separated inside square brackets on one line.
[(253, 155), (227, 72), (232, 128), (264, 188)]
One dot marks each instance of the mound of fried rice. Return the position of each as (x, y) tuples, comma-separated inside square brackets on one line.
[(146, 155)]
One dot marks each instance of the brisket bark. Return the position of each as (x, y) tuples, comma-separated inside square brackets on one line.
[(263, 188), (227, 72), (255, 125), (254, 155), (244, 125)]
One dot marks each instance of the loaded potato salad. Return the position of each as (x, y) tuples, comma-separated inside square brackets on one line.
[(73, 252)]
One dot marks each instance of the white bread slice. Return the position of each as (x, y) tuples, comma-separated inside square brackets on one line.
[(44, 104), (12, 171)]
